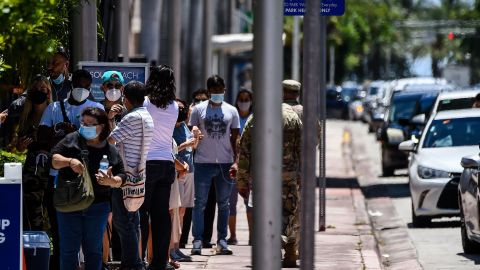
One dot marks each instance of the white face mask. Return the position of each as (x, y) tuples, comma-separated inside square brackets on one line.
[(80, 94), (244, 106), (113, 94)]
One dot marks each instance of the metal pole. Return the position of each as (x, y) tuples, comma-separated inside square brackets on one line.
[(208, 11), (323, 120), (311, 87), (175, 37), (267, 134), (85, 32), (296, 49)]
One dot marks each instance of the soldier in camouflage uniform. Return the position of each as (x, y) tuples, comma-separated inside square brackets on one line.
[(291, 92), (292, 126)]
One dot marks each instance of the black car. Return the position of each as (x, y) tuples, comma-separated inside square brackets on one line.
[(406, 116), (337, 107)]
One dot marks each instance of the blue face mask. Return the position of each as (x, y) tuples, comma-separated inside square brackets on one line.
[(217, 98), (60, 79), (89, 133)]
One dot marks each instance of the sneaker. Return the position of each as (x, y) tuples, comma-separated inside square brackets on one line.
[(232, 241), (181, 254), (197, 247), (223, 249), (176, 255)]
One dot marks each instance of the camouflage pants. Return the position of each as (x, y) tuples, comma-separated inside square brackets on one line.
[(290, 210), (34, 183)]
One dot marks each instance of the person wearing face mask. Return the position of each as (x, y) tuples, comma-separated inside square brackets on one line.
[(132, 134), (86, 228), (112, 87), (186, 144), (58, 74), (214, 158), (58, 119), (35, 170), (291, 93), (245, 109)]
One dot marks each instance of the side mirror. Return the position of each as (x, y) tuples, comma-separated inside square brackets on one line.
[(407, 146), (419, 119), (469, 162)]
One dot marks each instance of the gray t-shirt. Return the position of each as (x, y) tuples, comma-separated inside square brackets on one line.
[(216, 123)]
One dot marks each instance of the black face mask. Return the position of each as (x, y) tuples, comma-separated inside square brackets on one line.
[(38, 97), (182, 116)]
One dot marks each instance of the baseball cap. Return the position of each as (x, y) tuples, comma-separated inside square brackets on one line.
[(112, 75)]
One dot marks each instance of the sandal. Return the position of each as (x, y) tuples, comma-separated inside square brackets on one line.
[(175, 264)]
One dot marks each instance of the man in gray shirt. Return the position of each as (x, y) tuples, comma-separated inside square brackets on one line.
[(216, 153)]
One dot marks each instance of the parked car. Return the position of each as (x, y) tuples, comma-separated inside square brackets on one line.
[(337, 107), (434, 169), (455, 100), (405, 117), (370, 102)]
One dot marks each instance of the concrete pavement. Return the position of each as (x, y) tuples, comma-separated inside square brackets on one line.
[(347, 243)]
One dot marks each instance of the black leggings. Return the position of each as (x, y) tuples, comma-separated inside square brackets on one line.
[(160, 176)]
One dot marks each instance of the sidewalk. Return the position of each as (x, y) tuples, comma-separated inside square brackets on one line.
[(347, 243)]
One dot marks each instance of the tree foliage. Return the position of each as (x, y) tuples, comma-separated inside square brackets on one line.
[(29, 32)]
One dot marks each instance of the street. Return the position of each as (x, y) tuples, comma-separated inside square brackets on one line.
[(438, 246)]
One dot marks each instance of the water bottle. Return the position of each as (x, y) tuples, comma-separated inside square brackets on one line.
[(104, 164)]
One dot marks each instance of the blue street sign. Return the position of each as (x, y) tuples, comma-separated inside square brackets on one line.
[(329, 7), (11, 220), (130, 72)]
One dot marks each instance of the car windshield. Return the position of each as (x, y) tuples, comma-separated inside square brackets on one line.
[(402, 109), (372, 91), (455, 104), (349, 94), (453, 132)]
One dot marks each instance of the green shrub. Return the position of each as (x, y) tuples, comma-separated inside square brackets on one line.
[(7, 157)]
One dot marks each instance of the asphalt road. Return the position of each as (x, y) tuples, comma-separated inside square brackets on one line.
[(439, 246)]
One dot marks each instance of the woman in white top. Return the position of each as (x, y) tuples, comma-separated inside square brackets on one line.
[(160, 103)]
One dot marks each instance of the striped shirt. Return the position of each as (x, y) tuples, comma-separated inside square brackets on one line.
[(129, 133)]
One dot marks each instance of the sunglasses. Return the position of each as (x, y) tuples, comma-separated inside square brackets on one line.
[(112, 85), (196, 101)]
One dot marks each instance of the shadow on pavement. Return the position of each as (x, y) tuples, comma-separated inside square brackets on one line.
[(474, 258), (342, 183), (438, 224), (394, 190)]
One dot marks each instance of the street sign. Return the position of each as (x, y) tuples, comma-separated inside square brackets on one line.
[(130, 72), (329, 7), (11, 217)]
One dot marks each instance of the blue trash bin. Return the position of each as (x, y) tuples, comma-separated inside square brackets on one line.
[(36, 246)]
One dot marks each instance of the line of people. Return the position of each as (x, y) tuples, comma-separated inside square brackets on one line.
[(186, 155)]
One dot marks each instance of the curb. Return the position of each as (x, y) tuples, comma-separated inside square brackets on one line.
[(393, 242)]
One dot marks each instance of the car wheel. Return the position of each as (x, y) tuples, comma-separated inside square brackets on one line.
[(370, 129), (420, 221), (387, 170), (469, 246)]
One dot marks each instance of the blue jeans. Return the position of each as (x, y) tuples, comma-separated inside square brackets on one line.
[(82, 228), (205, 173), (127, 224)]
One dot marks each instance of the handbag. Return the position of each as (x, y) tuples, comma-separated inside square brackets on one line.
[(134, 187), (75, 194)]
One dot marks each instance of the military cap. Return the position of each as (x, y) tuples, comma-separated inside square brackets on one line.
[(291, 85)]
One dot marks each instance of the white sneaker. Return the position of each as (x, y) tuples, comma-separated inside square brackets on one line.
[(223, 249)]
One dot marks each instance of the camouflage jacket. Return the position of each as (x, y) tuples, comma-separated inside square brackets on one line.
[(292, 126)]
